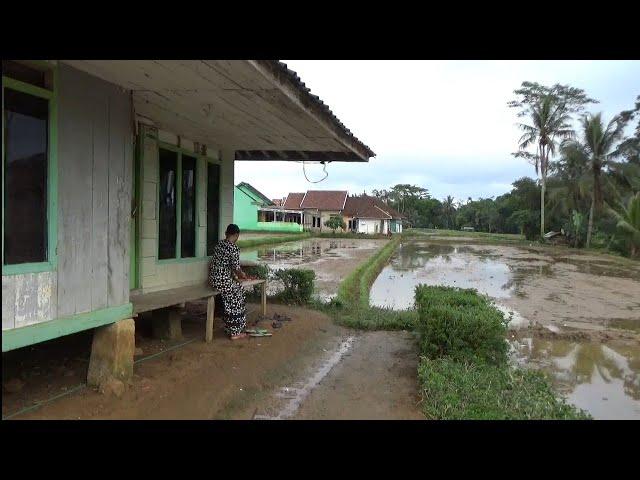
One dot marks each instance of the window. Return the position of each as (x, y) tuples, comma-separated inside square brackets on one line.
[(28, 101), (167, 211), (188, 217), (213, 206)]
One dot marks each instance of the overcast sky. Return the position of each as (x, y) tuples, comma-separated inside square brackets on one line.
[(442, 125)]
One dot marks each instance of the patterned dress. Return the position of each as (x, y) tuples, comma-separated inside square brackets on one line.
[(225, 261)]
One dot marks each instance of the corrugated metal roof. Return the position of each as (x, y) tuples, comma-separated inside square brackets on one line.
[(301, 85), (365, 206), (293, 201), (325, 199)]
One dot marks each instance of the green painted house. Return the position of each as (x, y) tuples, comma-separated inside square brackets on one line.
[(252, 210)]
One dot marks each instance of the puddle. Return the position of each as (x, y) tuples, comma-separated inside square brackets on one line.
[(330, 259), (602, 379)]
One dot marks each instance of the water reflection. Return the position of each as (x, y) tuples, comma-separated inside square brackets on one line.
[(602, 379), (440, 264)]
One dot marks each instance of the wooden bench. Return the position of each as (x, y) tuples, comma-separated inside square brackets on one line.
[(147, 302)]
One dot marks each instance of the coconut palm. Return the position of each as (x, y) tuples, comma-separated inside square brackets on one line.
[(448, 209), (600, 145), (549, 124)]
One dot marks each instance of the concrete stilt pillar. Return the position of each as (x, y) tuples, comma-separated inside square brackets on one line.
[(167, 324), (112, 353)]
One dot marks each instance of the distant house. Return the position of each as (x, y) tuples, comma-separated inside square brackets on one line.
[(246, 202), (252, 210), (366, 214), (318, 206)]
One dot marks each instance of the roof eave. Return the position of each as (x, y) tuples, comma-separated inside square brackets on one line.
[(292, 86)]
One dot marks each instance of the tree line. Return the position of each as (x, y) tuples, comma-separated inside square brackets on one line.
[(588, 177)]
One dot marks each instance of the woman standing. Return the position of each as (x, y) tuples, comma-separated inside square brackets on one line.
[(224, 265)]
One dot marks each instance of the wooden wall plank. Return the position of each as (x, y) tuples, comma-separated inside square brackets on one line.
[(75, 182), (26, 312), (8, 301), (100, 203), (120, 139)]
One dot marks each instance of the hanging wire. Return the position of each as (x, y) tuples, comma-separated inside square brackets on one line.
[(324, 169)]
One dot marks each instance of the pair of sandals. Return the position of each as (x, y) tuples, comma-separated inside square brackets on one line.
[(258, 332)]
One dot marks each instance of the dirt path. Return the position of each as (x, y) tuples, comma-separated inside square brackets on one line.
[(377, 380), (359, 376)]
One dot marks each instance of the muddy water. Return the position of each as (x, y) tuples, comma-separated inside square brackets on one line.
[(330, 259), (574, 296), (601, 379)]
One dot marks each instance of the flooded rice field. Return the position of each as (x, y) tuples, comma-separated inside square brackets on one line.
[(574, 315), (330, 259)]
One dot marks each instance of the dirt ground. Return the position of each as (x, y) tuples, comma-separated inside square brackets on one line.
[(232, 380), (376, 381)]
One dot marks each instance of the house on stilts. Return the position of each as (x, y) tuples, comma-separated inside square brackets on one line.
[(118, 180)]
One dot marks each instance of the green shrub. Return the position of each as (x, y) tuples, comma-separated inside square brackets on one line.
[(460, 324), (454, 390), (335, 222), (298, 285)]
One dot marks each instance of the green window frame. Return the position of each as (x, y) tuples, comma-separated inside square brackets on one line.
[(178, 253), (217, 227), (52, 171)]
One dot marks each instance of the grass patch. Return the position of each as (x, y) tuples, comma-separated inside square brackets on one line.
[(456, 390), (354, 289), (464, 371), (254, 242), (351, 307), (370, 318), (351, 235)]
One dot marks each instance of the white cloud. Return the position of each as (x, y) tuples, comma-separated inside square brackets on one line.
[(441, 124)]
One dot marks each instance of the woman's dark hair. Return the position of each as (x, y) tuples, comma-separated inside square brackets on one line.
[(232, 229)]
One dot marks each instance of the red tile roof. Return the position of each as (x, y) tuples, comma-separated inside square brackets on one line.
[(324, 199), (364, 206), (293, 201)]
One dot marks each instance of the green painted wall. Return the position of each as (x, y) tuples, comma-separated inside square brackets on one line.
[(245, 213), (279, 227)]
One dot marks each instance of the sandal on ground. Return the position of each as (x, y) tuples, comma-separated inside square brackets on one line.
[(258, 332)]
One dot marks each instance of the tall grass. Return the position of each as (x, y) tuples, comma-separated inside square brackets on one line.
[(464, 371)]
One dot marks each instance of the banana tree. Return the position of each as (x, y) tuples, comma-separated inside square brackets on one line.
[(628, 217)]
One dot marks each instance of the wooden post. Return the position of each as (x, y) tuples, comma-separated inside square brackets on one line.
[(264, 298), (211, 307)]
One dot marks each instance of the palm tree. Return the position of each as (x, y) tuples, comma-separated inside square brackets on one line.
[(550, 123), (599, 143), (448, 208)]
